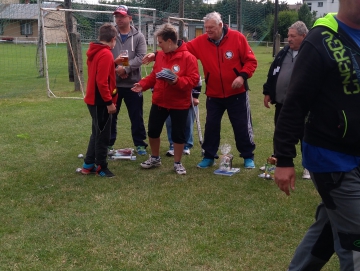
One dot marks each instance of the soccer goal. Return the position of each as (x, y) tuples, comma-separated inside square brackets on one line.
[(65, 38)]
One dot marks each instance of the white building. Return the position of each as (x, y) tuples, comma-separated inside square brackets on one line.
[(322, 7)]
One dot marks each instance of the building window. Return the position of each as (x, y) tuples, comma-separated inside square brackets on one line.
[(309, 6), (26, 28), (320, 4)]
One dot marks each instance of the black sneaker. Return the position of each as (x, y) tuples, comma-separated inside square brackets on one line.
[(104, 172)]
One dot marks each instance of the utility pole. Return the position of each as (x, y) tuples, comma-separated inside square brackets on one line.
[(181, 22), (238, 15), (275, 26), (69, 29)]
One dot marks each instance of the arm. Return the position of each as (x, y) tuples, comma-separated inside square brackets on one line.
[(105, 66), (140, 51), (305, 85), (191, 78), (247, 58)]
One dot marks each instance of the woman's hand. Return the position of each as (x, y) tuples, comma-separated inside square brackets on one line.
[(137, 87), (148, 58)]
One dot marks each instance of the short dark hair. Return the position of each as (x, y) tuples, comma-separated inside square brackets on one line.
[(167, 31), (107, 32)]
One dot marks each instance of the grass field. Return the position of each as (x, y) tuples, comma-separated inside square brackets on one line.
[(55, 219)]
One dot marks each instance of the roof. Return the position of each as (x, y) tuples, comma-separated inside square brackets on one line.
[(23, 11)]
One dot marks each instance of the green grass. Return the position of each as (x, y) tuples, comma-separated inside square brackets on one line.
[(55, 219)]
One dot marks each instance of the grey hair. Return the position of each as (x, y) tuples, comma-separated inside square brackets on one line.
[(300, 27), (216, 16)]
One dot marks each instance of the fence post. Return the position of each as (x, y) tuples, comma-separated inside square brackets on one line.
[(77, 62)]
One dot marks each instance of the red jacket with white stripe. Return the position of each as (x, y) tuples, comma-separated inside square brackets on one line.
[(185, 66), (219, 62)]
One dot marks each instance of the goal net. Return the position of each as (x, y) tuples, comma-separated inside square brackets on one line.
[(66, 34)]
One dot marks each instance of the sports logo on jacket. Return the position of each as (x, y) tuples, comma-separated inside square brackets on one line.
[(175, 68), (229, 55)]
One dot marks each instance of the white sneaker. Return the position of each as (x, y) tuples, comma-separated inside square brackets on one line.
[(151, 162), (186, 150), (179, 168), (306, 174), (170, 152), (262, 168)]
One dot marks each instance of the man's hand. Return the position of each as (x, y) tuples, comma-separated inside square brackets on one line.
[(119, 60), (137, 87), (148, 58), (111, 109), (267, 100), (285, 178), (120, 71), (195, 101), (238, 82)]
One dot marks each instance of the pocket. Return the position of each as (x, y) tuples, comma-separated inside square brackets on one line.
[(349, 126)]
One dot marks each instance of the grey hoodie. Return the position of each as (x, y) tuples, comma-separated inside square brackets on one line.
[(136, 46)]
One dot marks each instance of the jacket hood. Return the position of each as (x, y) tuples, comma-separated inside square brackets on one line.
[(328, 21), (94, 48)]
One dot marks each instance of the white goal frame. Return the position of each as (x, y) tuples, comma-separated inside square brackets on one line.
[(50, 93)]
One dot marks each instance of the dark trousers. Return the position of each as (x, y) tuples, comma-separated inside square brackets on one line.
[(157, 118), (100, 136), (238, 109), (134, 104), (337, 225)]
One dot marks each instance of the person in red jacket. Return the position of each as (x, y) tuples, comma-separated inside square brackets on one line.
[(173, 77), (100, 98), (228, 61)]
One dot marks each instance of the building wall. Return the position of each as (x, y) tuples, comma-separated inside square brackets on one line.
[(13, 30), (322, 7), (10, 2)]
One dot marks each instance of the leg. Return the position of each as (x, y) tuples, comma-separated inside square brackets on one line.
[(189, 139), (214, 112), (168, 129), (115, 118), (341, 195), (100, 137), (90, 153), (102, 140), (157, 119), (178, 131), (134, 103), (240, 117), (317, 246)]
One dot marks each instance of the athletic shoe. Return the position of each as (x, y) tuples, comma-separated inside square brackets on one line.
[(141, 150), (249, 163), (170, 152), (306, 174), (186, 150), (206, 162), (179, 169), (262, 168), (88, 169), (151, 162), (111, 151), (104, 172)]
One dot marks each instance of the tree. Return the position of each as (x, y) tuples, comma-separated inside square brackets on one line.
[(306, 16), (286, 19)]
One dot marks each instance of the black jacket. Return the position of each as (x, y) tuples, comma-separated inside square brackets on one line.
[(324, 93), (269, 87)]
